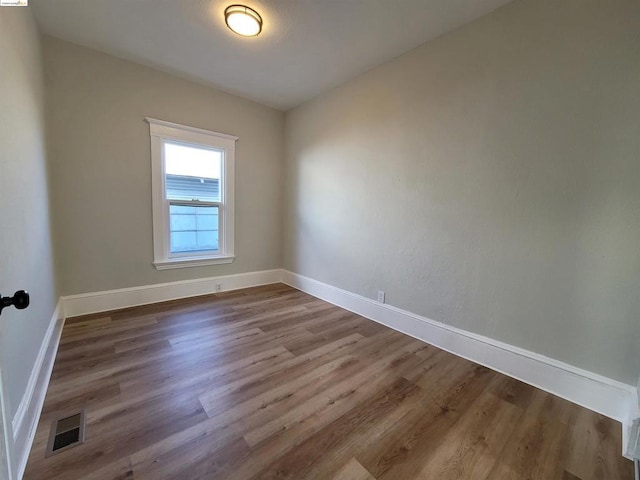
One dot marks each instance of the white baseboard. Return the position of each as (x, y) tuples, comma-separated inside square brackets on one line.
[(590, 390), (96, 302), (634, 415), (595, 392), (25, 421)]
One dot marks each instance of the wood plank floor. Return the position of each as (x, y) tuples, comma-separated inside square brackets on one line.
[(269, 382)]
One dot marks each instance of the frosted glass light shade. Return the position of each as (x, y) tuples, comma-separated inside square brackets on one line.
[(243, 20)]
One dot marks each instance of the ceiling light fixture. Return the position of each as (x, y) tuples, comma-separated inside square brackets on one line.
[(243, 20)]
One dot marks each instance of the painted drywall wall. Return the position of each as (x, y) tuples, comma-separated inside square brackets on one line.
[(26, 253), (101, 168), (489, 180)]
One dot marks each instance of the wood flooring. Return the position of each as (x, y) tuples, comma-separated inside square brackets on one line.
[(271, 383)]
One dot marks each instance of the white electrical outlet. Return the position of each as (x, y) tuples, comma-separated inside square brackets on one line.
[(381, 296), (218, 287)]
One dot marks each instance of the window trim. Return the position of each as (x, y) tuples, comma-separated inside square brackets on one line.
[(160, 131)]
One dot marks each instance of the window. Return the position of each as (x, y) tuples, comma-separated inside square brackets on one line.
[(192, 188)]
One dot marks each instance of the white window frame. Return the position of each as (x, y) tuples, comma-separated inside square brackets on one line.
[(160, 132)]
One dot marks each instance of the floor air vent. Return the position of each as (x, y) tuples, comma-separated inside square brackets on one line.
[(66, 432)]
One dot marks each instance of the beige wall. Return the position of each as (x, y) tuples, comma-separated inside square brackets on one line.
[(101, 168), (489, 179), (26, 259)]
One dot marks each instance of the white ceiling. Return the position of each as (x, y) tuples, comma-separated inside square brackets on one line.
[(306, 46)]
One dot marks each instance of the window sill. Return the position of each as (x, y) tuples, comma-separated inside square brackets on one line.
[(191, 262)]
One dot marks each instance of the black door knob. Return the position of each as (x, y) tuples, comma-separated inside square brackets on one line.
[(20, 300)]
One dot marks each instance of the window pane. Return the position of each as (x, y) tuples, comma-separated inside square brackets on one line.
[(183, 222), (183, 209), (193, 228), (192, 173)]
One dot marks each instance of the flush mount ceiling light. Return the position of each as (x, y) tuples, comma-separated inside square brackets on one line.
[(243, 20)]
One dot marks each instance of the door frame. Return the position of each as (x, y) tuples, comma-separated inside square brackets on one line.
[(6, 433)]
